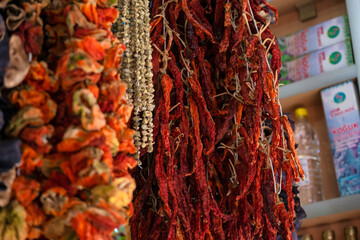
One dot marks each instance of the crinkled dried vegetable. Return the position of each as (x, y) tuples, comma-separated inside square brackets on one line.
[(214, 173), (133, 29), (72, 118)]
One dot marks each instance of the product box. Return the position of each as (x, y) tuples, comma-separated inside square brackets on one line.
[(342, 115), (325, 60), (314, 38)]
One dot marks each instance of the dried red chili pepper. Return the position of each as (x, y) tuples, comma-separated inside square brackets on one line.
[(208, 126), (211, 148), (202, 30), (178, 88)]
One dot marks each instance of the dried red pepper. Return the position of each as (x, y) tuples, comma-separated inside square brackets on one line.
[(215, 173)]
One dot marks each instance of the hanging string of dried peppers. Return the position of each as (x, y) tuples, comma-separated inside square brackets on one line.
[(72, 120), (133, 29), (214, 173)]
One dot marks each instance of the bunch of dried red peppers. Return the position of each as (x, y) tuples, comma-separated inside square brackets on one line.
[(214, 172), (72, 118)]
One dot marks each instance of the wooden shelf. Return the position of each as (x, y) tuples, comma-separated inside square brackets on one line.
[(338, 227), (333, 210), (289, 22), (317, 82), (334, 214)]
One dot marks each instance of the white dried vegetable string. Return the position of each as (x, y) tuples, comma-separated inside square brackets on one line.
[(134, 32), (137, 22), (123, 33), (148, 116)]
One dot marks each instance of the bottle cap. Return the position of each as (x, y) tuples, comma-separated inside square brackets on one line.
[(328, 235), (301, 113), (307, 236), (350, 231)]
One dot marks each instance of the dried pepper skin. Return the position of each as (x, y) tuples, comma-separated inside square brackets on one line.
[(25, 190), (178, 86), (210, 175), (42, 78), (208, 125), (227, 24), (33, 36), (290, 200), (38, 138), (200, 30), (164, 146), (167, 85), (227, 121), (40, 100), (270, 201)]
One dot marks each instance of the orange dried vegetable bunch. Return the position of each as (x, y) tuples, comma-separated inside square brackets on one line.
[(73, 122), (24, 26)]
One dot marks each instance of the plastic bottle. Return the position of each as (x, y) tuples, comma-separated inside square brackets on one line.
[(351, 233), (308, 151)]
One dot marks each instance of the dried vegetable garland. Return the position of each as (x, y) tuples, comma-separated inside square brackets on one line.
[(216, 171), (73, 122), (133, 29)]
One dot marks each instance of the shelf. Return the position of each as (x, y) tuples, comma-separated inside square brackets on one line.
[(335, 213), (317, 82), (284, 7), (333, 210), (289, 22)]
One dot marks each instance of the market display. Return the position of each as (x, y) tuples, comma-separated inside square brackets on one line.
[(216, 169), (72, 118), (199, 82)]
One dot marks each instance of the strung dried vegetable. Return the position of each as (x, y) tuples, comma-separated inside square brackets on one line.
[(214, 172), (133, 29), (73, 122)]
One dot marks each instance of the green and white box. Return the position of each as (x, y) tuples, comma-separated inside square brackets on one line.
[(325, 60), (314, 38)]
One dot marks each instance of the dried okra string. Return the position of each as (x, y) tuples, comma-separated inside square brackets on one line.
[(133, 28)]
